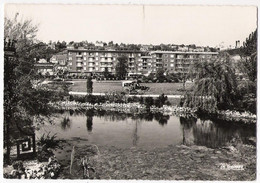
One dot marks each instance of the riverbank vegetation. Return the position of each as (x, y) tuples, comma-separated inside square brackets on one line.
[(216, 85)]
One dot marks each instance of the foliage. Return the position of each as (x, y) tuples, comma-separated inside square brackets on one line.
[(161, 100), (148, 102), (250, 45), (160, 77), (248, 66), (95, 99), (215, 85), (106, 73), (23, 102), (18, 165), (117, 97), (49, 141), (121, 67), (89, 85), (65, 123), (44, 143), (15, 29)]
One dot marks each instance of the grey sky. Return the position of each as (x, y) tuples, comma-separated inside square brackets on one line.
[(200, 25)]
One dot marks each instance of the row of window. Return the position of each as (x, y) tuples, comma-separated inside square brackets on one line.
[(105, 54)]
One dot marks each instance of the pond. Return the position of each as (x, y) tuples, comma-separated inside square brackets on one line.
[(144, 130)]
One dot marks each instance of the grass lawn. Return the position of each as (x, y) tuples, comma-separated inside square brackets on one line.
[(116, 86), (98, 87)]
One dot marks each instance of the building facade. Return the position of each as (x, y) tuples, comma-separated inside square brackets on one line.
[(91, 62), (176, 61), (95, 61), (60, 62), (44, 68)]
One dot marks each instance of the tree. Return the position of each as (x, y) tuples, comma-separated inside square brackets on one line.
[(250, 45), (106, 73), (121, 67), (89, 85), (215, 85), (248, 66), (160, 75), (23, 102)]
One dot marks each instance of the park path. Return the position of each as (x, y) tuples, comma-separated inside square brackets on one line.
[(150, 95)]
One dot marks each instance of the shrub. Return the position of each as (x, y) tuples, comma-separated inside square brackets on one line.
[(141, 100), (49, 141), (79, 98), (160, 101), (89, 85), (148, 102), (117, 97)]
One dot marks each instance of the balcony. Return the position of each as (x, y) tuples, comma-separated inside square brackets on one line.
[(91, 56), (109, 66), (79, 55), (105, 61), (79, 65), (107, 55)]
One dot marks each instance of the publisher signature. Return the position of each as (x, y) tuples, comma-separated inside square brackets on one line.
[(225, 166)]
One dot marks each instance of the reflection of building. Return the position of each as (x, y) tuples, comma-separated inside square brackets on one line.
[(44, 67)]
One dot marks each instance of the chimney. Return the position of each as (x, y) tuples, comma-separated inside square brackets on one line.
[(237, 44)]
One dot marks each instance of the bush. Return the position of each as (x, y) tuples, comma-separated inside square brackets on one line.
[(89, 85), (48, 141), (148, 102), (161, 100), (117, 97), (141, 100)]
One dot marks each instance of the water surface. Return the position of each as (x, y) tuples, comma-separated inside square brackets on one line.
[(144, 130)]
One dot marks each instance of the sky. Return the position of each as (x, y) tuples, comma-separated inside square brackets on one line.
[(200, 25)]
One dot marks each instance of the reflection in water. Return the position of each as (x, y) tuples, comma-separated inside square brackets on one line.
[(218, 133), (187, 124), (71, 112), (89, 114), (135, 135), (115, 116), (162, 119), (89, 123), (210, 132), (65, 123)]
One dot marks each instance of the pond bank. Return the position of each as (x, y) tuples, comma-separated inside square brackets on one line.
[(244, 117), (233, 162)]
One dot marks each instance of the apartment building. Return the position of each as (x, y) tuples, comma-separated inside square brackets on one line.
[(176, 61), (92, 62), (95, 61)]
